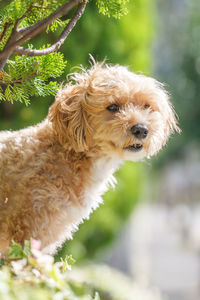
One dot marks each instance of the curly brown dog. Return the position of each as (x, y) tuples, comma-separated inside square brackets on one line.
[(52, 175)]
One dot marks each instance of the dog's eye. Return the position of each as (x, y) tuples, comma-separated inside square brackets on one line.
[(146, 106), (113, 108)]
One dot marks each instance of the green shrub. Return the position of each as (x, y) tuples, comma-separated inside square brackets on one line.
[(30, 275)]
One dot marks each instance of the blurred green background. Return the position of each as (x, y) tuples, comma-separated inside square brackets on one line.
[(134, 40)]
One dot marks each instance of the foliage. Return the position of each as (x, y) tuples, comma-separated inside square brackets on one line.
[(35, 71), (113, 8), (36, 276)]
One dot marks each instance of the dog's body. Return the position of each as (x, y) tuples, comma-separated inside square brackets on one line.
[(46, 190), (52, 175)]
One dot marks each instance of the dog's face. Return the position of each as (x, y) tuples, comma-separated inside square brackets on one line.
[(115, 111)]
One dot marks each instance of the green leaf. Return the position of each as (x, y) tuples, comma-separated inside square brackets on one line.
[(67, 262), (27, 248), (2, 262), (58, 23), (115, 8), (15, 251)]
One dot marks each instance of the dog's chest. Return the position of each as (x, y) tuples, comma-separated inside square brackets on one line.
[(101, 178)]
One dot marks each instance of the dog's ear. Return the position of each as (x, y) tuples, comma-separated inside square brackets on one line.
[(69, 119), (171, 122), (165, 108)]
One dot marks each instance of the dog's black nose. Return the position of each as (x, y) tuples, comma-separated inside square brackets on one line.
[(139, 131)]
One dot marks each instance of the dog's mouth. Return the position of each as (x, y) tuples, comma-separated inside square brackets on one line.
[(134, 147)]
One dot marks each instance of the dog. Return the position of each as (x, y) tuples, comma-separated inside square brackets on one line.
[(52, 175)]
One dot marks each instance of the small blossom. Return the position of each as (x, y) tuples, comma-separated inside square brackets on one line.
[(35, 244)]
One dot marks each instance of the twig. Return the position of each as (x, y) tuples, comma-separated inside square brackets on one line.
[(23, 16), (60, 41), (26, 13), (58, 13), (6, 26)]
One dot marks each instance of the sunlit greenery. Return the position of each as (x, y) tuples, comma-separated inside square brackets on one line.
[(35, 276)]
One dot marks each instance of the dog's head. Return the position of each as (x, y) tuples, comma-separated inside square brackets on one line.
[(115, 111)]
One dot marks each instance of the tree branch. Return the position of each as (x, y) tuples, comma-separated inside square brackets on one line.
[(4, 3), (36, 28), (10, 40), (18, 80), (62, 38)]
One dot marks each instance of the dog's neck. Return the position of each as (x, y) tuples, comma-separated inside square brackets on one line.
[(100, 179), (105, 166), (93, 161), (94, 154)]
